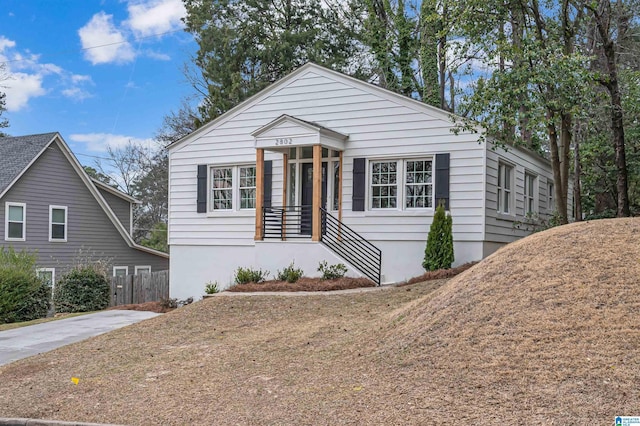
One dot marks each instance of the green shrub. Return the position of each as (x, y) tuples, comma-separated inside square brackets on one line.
[(332, 272), (439, 251), (81, 290), (290, 274), (211, 287), (23, 296), (22, 260), (250, 275)]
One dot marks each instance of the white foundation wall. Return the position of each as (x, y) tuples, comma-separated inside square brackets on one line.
[(192, 267)]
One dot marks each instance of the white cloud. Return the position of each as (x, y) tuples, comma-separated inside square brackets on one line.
[(104, 42), (99, 142), (156, 55), (155, 16), (27, 78), (77, 94), (20, 88), (5, 42)]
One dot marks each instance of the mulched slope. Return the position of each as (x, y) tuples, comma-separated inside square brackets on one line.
[(545, 330)]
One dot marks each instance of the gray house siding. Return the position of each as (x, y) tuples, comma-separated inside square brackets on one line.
[(121, 208), (52, 180)]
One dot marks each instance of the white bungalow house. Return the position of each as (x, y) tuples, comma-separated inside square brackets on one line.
[(322, 166)]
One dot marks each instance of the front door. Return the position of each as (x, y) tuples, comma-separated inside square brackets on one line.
[(307, 194)]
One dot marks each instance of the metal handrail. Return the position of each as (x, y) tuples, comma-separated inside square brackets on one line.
[(286, 222), (351, 246)]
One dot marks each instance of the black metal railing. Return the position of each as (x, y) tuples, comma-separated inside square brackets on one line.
[(351, 246), (286, 222)]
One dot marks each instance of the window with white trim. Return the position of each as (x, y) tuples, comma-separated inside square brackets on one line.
[(247, 187), (551, 205), (120, 271), (529, 193), (48, 275), (505, 185), (142, 269), (58, 223), (15, 228), (232, 188), (384, 184), (401, 184), (418, 184)]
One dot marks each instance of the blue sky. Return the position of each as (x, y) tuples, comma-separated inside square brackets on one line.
[(99, 72)]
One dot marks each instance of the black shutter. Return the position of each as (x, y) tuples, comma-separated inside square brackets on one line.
[(268, 173), (202, 188), (358, 185), (442, 179)]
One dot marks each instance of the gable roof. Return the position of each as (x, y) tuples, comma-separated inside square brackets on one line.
[(335, 75), (17, 153), (284, 118), (23, 151)]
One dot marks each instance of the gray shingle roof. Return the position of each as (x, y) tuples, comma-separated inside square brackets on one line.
[(17, 152)]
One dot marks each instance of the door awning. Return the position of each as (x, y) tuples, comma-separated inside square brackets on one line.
[(287, 132)]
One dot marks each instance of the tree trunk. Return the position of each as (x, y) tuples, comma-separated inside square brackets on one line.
[(577, 190), (603, 19), (556, 167)]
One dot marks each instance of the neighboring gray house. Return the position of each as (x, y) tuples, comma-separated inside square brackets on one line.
[(48, 204)]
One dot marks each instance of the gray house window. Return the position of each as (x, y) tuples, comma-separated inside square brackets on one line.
[(15, 222), (120, 271), (58, 223)]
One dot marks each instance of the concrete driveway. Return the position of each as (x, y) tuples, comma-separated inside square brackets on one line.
[(23, 342)]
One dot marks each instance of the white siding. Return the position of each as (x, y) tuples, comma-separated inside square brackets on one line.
[(502, 228), (378, 125)]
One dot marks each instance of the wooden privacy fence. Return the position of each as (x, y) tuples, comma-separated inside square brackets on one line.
[(139, 288)]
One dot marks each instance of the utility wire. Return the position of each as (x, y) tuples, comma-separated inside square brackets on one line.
[(64, 52)]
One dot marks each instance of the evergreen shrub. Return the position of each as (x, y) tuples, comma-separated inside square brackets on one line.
[(439, 251), (83, 289)]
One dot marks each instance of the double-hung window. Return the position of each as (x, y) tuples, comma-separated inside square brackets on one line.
[(384, 184), (505, 183), (404, 184), (551, 205), (247, 187), (418, 184), (232, 188), (15, 221), (529, 193), (58, 223)]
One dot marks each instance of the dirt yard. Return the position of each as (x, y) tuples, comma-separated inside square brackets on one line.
[(544, 332)]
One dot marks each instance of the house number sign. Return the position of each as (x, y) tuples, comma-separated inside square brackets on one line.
[(284, 141)]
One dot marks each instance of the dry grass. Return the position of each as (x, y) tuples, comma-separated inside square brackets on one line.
[(439, 274), (545, 331)]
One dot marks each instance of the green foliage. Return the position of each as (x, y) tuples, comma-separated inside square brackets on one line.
[(158, 238), (245, 46), (250, 275), (533, 222), (22, 260), (23, 296), (82, 289), (439, 251), (290, 274), (331, 272), (212, 287)]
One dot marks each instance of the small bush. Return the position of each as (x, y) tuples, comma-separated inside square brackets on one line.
[(211, 287), (290, 274), (439, 251), (332, 272), (249, 275), (23, 296), (81, 290), (170, 303)]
